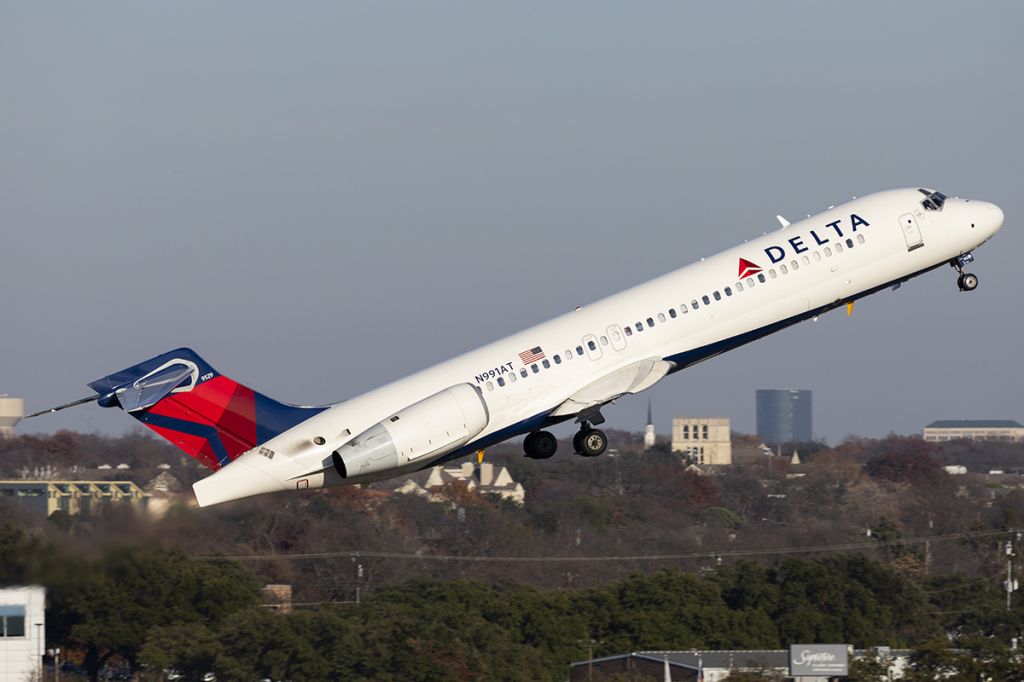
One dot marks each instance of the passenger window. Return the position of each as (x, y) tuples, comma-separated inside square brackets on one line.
[(839, 247), (558, 359), (639, 326), (849, 243), (661, 317), (534, 368), (760, 277), (547, 365), (718, 296), (628, 330), (860, 239), (807, 261), (490, 386), (739, 287), (693, 304), (793, 265), (591, 345), (672, 313), (817, 256), (501, 381), (683, 308), (772, 273), (828, 252), (728, 291), (707, 301), (512, 377), (750, 281), (783, 269), (522, 372), (650, 321), (579, 350)]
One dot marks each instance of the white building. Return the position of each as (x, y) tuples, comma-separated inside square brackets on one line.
[(706, 440), (974, 429), (22, 633), (11, 412), (484, 478)]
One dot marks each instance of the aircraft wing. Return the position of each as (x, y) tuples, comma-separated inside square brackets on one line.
[(632, 378)]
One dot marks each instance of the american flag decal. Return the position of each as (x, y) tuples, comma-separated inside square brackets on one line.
[(532, 355)]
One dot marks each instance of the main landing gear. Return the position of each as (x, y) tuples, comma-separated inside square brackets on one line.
[(589, 442), (540, 445), (966, 281)]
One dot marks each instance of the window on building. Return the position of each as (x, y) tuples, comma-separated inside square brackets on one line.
[(686, 432), (705, 434), (12, 620), (672, 313)]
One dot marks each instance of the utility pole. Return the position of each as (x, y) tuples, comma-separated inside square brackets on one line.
[(1010, 584)]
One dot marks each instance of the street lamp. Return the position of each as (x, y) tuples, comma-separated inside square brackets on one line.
[(39, 648)]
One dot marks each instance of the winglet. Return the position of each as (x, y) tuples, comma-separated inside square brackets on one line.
[(782, 221)]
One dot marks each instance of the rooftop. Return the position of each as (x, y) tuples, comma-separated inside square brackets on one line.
[(975, 424)]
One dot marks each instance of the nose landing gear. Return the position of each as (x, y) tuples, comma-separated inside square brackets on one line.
[(966, 281)]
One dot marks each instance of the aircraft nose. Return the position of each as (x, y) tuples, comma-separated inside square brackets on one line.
[(996, 216)]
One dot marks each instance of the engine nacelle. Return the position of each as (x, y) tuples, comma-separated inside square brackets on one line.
[(430, 428)]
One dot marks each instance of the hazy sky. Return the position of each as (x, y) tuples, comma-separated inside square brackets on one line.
[(323, 197)]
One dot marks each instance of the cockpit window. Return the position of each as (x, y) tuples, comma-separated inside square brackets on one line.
[(933, 201)]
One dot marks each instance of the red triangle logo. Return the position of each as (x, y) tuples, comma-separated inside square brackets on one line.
[(748, 268)]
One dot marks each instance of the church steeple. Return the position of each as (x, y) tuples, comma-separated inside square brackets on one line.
[(649, 437)]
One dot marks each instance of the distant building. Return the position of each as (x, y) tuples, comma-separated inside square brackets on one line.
[(708, 441), (22, 633), (649, 435), (277, 597), (484, 478), (11, 412), (712, 666), (73, 497), (784, 416), (974, 429)]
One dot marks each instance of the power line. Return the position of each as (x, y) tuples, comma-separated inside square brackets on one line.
[(399, 556)]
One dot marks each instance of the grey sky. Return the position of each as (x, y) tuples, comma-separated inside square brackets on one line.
[(323, 197)]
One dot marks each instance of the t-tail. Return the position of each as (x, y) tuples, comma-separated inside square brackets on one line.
[(208, 415)]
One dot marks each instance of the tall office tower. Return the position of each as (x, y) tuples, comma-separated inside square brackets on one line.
[(784, 416)]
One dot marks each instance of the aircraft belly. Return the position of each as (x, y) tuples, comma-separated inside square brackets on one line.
[(632, 378)]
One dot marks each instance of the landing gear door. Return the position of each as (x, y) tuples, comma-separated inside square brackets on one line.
[(911, 231)]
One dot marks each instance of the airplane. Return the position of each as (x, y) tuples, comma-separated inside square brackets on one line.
[(565, 369)]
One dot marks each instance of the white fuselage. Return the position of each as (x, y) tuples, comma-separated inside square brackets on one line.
[(810, 266)]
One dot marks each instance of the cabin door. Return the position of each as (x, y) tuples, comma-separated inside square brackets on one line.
[(911, 231)]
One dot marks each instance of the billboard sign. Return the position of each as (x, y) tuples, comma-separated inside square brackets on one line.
[(818, 660)]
